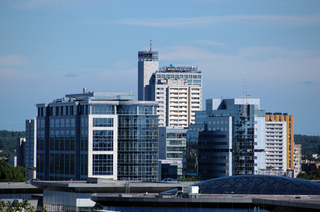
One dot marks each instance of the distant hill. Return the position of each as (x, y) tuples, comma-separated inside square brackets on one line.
[(309, 144), (8, 142)]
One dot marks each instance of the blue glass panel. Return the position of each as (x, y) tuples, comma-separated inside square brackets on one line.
[(257, 185), (244, 185)]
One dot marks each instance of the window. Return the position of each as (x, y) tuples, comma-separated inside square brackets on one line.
[(102, 164), (102, 140), (103, 122)]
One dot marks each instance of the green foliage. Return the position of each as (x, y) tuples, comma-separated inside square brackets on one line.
[(9, 173), (8, 142), (309, 144), (313, 175), (16, 206), (192, 179)]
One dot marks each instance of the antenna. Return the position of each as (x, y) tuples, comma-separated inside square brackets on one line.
[(150, 45), (244, 95)]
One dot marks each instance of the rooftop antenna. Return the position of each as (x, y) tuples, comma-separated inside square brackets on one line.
[(150, 45), (244, 95)]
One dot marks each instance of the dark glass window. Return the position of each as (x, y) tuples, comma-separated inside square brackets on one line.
[(103, 122), (102, 164), (102, 140)]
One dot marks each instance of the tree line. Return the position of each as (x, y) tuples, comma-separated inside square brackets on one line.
[(309, 144), (8, 142)]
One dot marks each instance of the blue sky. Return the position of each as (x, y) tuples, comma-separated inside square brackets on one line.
[(49, 48)]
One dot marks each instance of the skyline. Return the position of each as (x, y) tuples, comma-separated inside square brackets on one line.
[(52, 48)]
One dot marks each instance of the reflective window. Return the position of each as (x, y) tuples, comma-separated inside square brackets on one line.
[(102, 164), (103, 122), (102, 140)]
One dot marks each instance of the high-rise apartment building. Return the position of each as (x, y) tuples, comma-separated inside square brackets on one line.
[(101, 135), (231, 137), (289, 119), (30, 153), (276, 145), (178, 90)]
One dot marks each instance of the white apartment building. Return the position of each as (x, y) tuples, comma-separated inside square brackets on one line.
[(178, 90), (276, 145)]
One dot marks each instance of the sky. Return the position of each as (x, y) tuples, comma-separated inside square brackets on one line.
[(266, 49)]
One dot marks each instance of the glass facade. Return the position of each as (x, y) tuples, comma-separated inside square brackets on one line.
[(102, 140), (79, 138), (257, 184), (137, 143), (102, 164)]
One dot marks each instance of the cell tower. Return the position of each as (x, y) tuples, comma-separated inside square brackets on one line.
[(244, 95), (150, 45)]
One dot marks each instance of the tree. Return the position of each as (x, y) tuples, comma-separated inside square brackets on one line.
[(9, 173), (16, 206), (8, 142), (313, 175)]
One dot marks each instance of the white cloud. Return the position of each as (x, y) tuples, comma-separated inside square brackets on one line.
[(251, 19), (10, 60)]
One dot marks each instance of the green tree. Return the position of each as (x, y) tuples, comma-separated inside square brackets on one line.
[(313, 175), (16, 206), (309, 144), (9, 173), (8, 142)]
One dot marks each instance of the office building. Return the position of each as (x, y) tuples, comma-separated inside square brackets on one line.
[(172, 145), (30, 153), (231, 137), (147, 65), (101, 135), (276, 145), (20, 149), (289, 119), (297, 159)]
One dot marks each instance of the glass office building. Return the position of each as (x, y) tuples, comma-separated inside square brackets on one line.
[(101, 135), (231, 138)]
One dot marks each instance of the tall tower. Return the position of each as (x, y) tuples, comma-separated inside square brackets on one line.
[(147, 65), (279, 117)]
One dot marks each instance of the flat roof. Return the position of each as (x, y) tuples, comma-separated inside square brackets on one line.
[(269, 202)]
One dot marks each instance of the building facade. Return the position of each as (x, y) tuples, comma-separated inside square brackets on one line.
[(30, 153), (276, 145), (178, 90), (172, 145), (297, 159), (101, 135), (289, 119), (147, 65), (235, 129)]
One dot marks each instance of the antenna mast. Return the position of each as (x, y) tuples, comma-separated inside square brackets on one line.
[(150, 45), (244, 95)]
